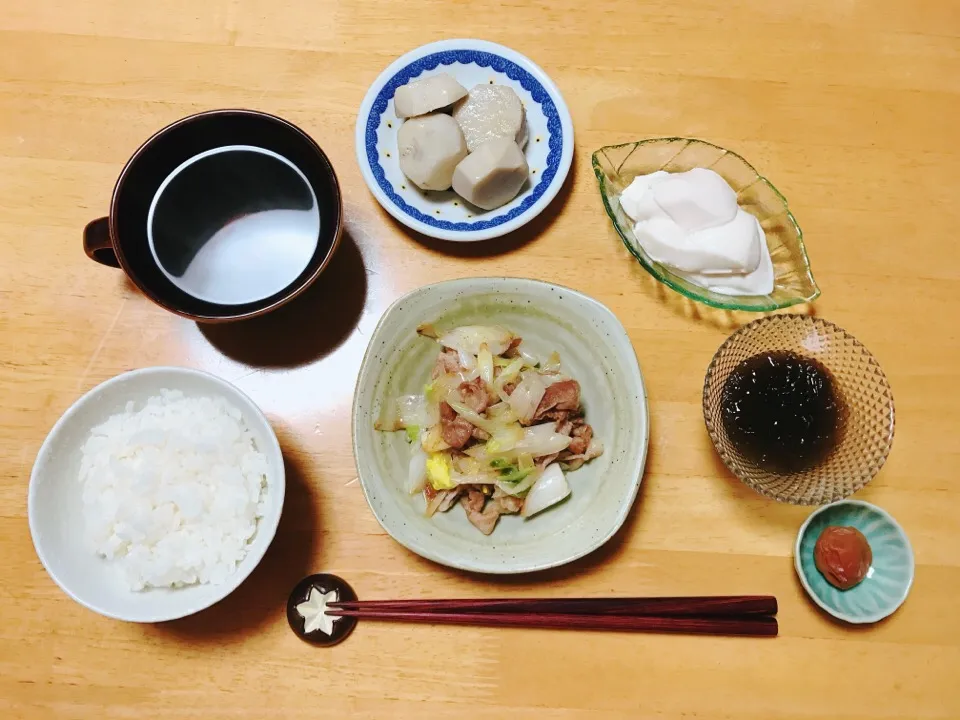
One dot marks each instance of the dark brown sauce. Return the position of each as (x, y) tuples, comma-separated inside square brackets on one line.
[(782, 411)]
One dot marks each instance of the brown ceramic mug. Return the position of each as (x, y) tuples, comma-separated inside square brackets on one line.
[(222, 215)]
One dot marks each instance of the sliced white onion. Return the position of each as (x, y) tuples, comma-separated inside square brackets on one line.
[(478, 479), (501, 412), (467, 361), (412, 410), (434, 504), (432, 440), (548, 490), (417, 475), (479, 452), (528, 359), (526, 397), (446, 384), (594, 449), (552, 365), (469, 338), (466, 465), (473, 417), (519, 487), (505, 438), (509, 374), (541, 440), (538, 441), (485, 364)]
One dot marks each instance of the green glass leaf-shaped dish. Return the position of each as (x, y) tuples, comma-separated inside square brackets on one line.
[(617, 165)]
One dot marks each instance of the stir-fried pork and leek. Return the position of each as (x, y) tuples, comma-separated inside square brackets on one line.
[(494, 429)]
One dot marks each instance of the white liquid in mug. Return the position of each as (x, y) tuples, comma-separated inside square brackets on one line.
[(234, 225)]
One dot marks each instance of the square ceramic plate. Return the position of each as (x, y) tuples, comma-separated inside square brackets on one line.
[(594, 348), (445, 215)]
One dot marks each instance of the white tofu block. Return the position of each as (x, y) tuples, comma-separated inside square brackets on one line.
[(732, 248), (636, 200), (697, 199), (759, 282)]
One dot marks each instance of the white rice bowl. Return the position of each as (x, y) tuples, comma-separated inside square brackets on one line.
[(129, 546)]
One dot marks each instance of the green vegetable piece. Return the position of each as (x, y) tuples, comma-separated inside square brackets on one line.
[(413, 433), (513, 474)]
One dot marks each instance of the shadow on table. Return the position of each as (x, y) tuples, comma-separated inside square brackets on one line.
[(753, 509), (262, 597), (307, 328), (506, 244)]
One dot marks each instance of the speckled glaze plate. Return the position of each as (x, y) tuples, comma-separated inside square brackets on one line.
[(445, 215), (594, 348), (889, 578)]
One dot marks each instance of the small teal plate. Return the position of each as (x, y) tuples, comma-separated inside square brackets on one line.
[(890, 576)]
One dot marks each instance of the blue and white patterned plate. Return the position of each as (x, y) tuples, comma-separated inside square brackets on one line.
[(445, 215), (889, 578)]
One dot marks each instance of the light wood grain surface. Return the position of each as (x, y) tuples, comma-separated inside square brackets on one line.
[(849, 106)]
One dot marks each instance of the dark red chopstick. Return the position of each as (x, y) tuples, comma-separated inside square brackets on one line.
[(716, 606), (750, 625)]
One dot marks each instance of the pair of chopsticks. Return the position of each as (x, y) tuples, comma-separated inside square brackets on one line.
[(751, 615)]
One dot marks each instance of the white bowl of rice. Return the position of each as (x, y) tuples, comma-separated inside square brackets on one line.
[(156, 494)]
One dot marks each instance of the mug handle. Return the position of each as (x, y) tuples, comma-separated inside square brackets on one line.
[(96, 242)]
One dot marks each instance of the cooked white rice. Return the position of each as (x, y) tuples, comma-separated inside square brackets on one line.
[(173, 492)]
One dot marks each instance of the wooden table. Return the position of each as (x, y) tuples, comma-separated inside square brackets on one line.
[(850, 107)]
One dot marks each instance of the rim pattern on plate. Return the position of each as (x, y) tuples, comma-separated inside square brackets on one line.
[(481, 59)]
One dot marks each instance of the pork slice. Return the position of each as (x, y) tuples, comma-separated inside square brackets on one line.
[(483, 520), (570, 461), (511, 351), (447, 412), (480, 434), (448, 361), (582, 435), (509, 504), (509, 388), (449, 499), (564, 427), (563, 395), (542, 462), (435, 500), (476, 396), (558, 416), (455, 430), (474, 500)]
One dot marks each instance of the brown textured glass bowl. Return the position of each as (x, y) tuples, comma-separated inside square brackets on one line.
[(867, 433)]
